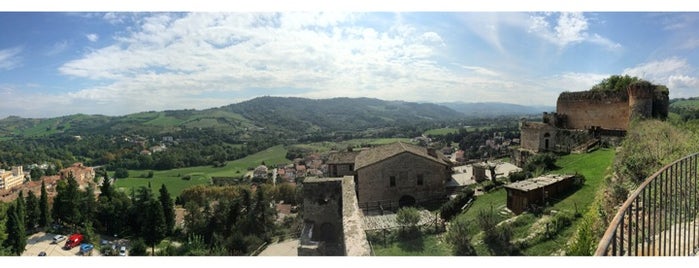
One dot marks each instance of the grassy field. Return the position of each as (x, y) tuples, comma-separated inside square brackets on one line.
[(173, 179), (328, 146), (594, 166), (441, 131), (425, 245)]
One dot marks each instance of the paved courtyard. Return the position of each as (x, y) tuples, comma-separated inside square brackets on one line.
[(284, 248), (42, 242)]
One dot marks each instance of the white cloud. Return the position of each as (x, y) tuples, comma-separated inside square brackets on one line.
[(9, 58), (569, 29), (657, 71), (92, 37), (676, 73), (168, 57)]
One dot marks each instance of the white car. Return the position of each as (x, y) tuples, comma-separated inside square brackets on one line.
[(122, 251), (58, 238)]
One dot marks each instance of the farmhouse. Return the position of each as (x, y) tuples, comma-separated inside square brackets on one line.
[(401, 174), (522, 195)]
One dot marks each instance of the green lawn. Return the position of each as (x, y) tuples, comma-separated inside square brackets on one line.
[(593, 166), (441, 131), (328, 146), (202, 174), (426, 245)]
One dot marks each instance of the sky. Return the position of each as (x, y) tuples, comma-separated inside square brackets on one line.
[(55, 63)]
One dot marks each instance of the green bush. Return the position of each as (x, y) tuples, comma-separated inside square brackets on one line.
[(453, 207)]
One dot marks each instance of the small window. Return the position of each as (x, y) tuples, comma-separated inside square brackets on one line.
[(393, 181), (420, 179)]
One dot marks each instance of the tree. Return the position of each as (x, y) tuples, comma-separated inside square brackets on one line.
[(168, 209), (106, 189), (150, 219), (121, 173), (21, 208), (88, 206), (458, 237), (88, 232), (33, 211), (16, 238), (66, 205), (44, 216), (138, 248), (615, 83), (408, 217)]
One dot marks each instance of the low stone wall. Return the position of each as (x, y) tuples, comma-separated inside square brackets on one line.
[(356, 243)]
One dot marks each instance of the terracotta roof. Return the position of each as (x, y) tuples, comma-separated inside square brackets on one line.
[(342, 157), (377, 154)]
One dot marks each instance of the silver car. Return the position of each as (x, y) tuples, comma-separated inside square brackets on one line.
[(58, 238)]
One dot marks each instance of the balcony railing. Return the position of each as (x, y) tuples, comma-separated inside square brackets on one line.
[(660, 217)]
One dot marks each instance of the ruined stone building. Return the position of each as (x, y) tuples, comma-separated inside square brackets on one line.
[(583, 119), (82, 174)]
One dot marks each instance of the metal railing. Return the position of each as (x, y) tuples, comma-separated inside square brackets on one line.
[(660, 217)]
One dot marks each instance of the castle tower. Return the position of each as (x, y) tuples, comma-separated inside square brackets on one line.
[(640, 100)]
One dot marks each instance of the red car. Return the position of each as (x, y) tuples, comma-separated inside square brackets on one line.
[(73, 241)]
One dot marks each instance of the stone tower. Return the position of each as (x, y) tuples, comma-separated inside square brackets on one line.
[(640, 100)]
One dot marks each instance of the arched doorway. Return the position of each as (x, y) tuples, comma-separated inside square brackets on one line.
[(406, 201), (546, 141)]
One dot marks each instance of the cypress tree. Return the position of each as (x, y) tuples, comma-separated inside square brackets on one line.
[(33, 212), (168, 209), (45, 216), (16, 236)]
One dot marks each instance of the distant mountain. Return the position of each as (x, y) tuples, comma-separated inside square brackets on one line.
[(494, 109), (286, 116), (345, 114)]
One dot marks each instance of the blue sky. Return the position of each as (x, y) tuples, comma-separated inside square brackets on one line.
[(55, 63)]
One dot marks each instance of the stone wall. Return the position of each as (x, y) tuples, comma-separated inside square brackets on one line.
[(322, 207), (609, 110), (374, 180), (533, 136), (332, 219), (354, 237)]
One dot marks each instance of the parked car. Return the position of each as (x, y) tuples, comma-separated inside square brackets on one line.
[(73, 241), (43, 253), (86, 249), (122, 251), (58, 238)]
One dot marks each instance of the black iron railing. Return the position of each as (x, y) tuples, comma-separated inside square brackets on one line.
[(660, 217)]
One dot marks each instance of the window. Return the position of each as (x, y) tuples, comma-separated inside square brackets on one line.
[(393, 181), (420, 179)]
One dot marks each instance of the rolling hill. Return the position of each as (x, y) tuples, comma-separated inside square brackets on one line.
[(495, 109)]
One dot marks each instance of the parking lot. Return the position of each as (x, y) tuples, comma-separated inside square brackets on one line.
[(42, 242)]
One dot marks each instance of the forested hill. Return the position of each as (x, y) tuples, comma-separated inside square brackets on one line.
[(495, 109), (345, 114), (290, 116)]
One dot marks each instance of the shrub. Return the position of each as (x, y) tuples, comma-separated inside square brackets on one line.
[(121, 173), (408, 217), (458, 237), (453, 207)]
